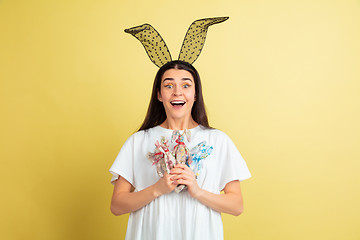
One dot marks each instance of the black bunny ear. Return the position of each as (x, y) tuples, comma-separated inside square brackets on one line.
[(153, 43), (195, 38)]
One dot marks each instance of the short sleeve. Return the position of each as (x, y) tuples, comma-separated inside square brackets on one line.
[(234, 166), (124, 163)]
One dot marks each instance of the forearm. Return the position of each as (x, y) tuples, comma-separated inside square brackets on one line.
[(230, 203), (125, 202)]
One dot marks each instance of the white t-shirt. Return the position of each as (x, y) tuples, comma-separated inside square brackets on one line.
[(178, 215)]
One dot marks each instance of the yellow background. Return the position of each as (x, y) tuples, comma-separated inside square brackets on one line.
[(281, 78)]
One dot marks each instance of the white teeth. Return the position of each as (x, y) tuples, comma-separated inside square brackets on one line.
[(177, 103)]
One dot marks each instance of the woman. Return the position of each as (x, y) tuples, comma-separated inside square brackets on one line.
[(157, 212)]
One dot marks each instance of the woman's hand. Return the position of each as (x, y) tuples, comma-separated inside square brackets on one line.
[(164, 185), (125, 200), (182, 174)]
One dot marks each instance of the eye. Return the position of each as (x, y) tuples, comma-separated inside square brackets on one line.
[(168, 86), (186, 85)]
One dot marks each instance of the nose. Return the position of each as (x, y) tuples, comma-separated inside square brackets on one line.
[(177, 91)]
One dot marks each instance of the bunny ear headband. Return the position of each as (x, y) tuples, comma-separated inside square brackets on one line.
[(191, 48)]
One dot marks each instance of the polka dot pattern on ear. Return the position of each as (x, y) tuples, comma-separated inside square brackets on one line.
[(195, 38), (193, 43), (153, 43)]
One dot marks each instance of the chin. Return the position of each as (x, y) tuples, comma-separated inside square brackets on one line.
[(178, 116)]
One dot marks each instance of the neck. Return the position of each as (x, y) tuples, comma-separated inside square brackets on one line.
[(179, 124)]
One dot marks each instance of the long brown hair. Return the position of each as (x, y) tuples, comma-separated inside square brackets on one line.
[(156, 112)]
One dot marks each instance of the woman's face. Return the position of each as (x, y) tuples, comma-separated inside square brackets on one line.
[(177, 93)]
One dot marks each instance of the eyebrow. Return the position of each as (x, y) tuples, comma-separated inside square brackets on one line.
[(172, 79)]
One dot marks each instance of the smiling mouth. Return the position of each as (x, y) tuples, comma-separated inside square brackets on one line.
[(177, 103)]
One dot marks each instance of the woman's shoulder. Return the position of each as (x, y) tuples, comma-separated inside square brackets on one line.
[(213, 132), (139, 136), (146, 132)]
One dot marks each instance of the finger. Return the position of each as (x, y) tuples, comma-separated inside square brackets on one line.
[(182, 181), (180, 171), (183, 166), (185, 175), (176, 170), (188, 173), (177, 177)]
